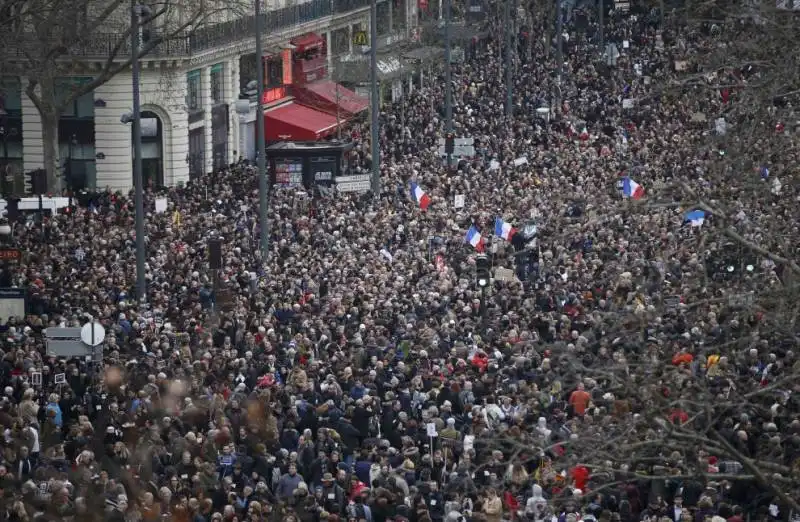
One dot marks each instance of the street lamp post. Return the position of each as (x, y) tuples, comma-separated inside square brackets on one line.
[(559, 50), (375, 106), (263, 186), (137, 11), (448, 76), (509, 60)]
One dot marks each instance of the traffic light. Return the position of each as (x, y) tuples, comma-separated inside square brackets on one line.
[(7, 182), (36, 182), (483, 271), (12, 208), (450, 143)]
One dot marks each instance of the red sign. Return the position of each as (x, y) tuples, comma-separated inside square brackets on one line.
[(440, 263), (10, 254), (287, 66), (273, 95)]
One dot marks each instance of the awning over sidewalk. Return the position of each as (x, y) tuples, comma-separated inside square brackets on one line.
[(296, 122), (307, 42), (424, 54), (326, 95)]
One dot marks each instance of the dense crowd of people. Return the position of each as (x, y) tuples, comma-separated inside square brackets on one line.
[(629, 365)]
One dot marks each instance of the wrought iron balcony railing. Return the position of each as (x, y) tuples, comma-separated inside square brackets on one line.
[(202, 39)]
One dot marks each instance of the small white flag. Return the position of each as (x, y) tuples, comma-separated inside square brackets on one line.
[(388, 255)]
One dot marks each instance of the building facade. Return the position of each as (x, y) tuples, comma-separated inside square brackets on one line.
[(189, 93)]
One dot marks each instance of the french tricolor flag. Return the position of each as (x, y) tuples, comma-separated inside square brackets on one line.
[(631, 189), (474, 238), (422, 199), (503, 229)]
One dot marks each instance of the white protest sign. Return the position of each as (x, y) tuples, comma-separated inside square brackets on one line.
[(521, 161), (459, 201), (36, 378), (505, 274), (494, 165), (626, 44), (430, 428), (721, 126), (161, 205), (469, 442), (627, 103), (61, 378)]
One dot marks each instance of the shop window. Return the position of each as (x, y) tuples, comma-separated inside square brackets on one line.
[(76, 151), (78, 162), (217, 84), (194, 97)]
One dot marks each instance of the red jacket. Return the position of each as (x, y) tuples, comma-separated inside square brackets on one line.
[(480, 361)]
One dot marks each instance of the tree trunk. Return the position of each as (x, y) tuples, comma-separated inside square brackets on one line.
[(50, 149), (44, 96)]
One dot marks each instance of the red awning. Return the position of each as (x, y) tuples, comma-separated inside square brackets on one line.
[(306, 42), (326, 95), (294, 122)]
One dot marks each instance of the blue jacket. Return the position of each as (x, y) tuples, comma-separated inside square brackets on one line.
[(58, 418)]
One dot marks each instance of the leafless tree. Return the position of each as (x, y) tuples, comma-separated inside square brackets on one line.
[(44, 40)]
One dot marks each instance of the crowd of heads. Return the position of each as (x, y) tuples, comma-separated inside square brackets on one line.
[(626, 366)]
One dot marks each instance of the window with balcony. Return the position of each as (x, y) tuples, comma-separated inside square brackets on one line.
[(217, 82), (194, 98)]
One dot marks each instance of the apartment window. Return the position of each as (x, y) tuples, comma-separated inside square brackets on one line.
[(194, 97), (274, 75), (340, 41), (81, 107), (11, 95), (217, 84)]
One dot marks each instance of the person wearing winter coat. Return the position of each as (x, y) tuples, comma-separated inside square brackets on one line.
[(492, 506)]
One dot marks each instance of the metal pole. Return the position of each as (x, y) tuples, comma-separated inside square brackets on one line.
[(448, 76), (559, 50), (374, 98), (508, 60), (263, 188), (338, 115), (141, 283), (485, 308), (600, 14)]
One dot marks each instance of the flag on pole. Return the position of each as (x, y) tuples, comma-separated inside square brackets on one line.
[(631, 189), (695, 218), (503, 229), (422, 199), (474, 238)]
